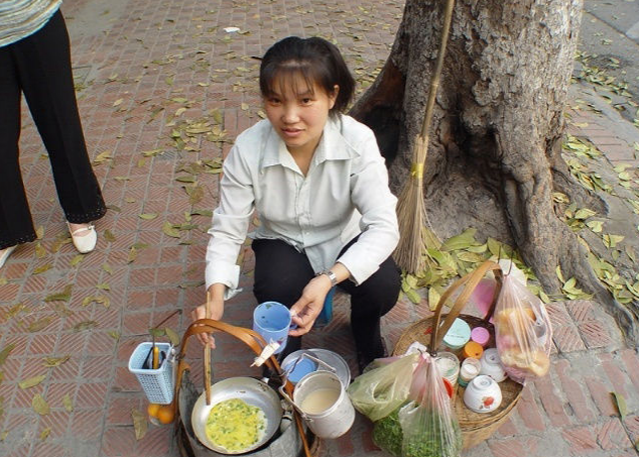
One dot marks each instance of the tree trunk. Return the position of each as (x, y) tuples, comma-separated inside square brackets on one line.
[(494, 155)]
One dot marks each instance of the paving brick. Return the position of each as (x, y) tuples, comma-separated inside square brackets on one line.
[(529, 411), (118, 442), (567, 339), (581, 439), (617, 377), (631, 422), (508, 428), (91, 395), (517, 446), (553, 404), (594, 334), (631, 363), (581, 310), (600, 393), (558, 314), (613, 436), (577, 400)]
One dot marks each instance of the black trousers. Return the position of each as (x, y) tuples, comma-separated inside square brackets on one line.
[(40, 67), (282, 272)]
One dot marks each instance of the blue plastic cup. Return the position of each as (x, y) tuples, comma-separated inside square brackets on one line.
[(272, 320)]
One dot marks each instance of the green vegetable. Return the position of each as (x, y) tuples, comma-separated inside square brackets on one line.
[(388, 435)]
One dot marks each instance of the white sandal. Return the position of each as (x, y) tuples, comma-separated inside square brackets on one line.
[(85, 243), (5, 253)]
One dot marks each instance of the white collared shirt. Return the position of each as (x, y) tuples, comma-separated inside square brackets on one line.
[(344, 193)]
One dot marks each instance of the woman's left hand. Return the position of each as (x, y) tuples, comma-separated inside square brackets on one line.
[(309, 306)]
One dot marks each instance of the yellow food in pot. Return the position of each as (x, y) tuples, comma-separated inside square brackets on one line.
[(235, 425)]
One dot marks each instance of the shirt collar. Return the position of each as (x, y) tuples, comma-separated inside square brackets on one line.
[(332, 146)]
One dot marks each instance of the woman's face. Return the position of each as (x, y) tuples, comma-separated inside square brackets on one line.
[(298, 112)]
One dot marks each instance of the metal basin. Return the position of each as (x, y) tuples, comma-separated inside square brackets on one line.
[(252, 391)]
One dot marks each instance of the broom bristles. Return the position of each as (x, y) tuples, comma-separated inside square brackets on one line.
[(411, 218)]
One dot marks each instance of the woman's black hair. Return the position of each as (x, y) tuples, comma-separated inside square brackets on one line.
[(317, 60)]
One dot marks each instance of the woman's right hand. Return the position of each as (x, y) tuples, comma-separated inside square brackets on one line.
[(215, 311)]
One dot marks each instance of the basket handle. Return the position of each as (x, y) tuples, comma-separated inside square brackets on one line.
[(251, 339), (468, 282)]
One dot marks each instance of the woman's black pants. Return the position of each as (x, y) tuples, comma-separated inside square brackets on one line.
[(40, 67), (282, 272)]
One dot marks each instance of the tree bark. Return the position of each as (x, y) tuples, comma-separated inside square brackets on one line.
[(494, 155)]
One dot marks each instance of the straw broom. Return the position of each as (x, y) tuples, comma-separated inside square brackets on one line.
[(411, 210)]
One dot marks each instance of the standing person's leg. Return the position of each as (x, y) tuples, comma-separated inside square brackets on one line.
[(369, 302), (44, 65), (16, 225), (281, 273)]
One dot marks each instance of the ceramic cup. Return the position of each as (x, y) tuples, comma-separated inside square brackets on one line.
[(483, 395), (491, 365), (469, 370), (272, 320)]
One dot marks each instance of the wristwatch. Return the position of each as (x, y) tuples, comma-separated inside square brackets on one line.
[(331, 276)]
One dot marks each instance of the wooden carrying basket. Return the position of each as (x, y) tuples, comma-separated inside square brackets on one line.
[(309, 443), (475, 427)]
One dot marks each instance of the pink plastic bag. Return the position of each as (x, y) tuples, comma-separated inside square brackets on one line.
[(428, 422)]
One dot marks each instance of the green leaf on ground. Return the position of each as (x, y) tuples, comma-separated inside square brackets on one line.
[(620, 403), (65, 295), (39, 324), (86, 325), (44, 434), (5, 352), (68, 404), (169, 230), (76, 260), (413, 296), (40, 405), (433, 298), (106, 267), (109, 236), (40, 251), (42, 269), (595, 226), (139, 424), (100, 299), (31, 382), (51, 362), (133, 253)]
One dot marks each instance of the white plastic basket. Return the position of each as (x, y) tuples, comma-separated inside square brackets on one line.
[(158, 383)]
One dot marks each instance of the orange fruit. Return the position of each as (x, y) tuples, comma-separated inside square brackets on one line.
[(165, 414), (153, 409)]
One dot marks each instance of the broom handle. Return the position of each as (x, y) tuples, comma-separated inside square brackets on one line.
[(434, 85)]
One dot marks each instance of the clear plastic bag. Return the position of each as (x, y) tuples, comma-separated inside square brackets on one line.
[(380, 391), (426, 425), (428, 422), (523, 331)]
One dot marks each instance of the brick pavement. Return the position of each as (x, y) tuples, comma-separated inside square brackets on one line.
[(160, 86)]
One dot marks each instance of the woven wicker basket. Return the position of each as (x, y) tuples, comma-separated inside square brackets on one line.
[(430, 331)]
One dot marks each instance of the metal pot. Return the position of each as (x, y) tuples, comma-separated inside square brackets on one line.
[(252, 391)]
